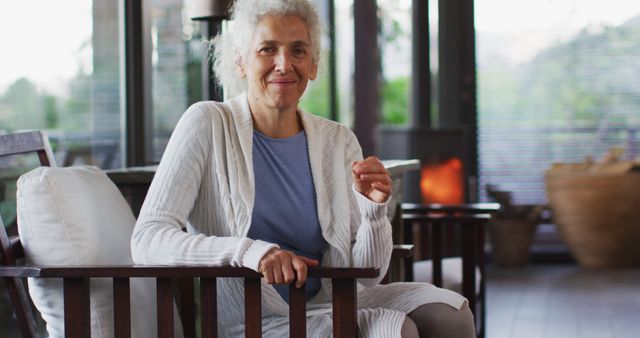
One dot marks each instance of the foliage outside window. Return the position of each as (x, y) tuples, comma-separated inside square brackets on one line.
[(395, 46), (554, 88), (67, 80), (64, 79), (317, 97), (61, 74), (396, 52)]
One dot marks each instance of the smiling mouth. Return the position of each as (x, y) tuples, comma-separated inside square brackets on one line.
[(282, 82)]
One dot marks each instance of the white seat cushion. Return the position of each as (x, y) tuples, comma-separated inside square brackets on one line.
[(77, 216), (451, 273)]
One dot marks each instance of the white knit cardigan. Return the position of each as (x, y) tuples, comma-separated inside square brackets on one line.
[(205, 182)]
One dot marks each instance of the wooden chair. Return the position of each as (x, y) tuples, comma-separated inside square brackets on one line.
[(24, 143), (76, 284), (15, 144), (442, 228), (28, 142), (11, 249), (76, 295)]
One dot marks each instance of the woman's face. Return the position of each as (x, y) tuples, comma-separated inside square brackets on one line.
[(279, 62)]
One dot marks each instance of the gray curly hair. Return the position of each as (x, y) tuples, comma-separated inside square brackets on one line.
[(230, 46)]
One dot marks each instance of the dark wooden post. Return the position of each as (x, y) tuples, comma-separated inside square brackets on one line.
[(208, 307), (421, 64), (436, 255), (457, 75), (344, 308), (297, 312), (165, 307), (138, 129), (77, 319), (469, 263), (252, 308), (121, 308), (187, 306), (367, 68)]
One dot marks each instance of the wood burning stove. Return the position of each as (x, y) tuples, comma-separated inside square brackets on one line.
[(444, 159), (446, 148)]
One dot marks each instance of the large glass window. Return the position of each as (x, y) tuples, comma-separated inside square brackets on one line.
[(317, 97), (395, 50), (177, 51), (394, 36), (60, 73), (557, 82), (344, 60)]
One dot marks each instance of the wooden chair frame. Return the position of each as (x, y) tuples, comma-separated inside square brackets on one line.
[(471, 219), (76, 295), (11, 248), (76, 283), (28, 142), (24, 143)]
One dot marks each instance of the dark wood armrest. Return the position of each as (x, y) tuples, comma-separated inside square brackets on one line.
[(331, 272), (470, 219), (471, 208), (133, 271), (15, 246), (402, 251), (76, 295)]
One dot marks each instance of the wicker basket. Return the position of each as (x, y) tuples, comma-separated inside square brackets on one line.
[(598, 214)]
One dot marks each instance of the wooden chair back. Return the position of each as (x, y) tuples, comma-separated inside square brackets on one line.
[(468, 221), (28, 142), (11, 248), (76, 296), (76, 283), (24, 143)]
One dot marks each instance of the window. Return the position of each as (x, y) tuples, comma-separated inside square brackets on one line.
[(60, 73), (344, 60), (177, 51), (395, 19), (395, 50), (317, 96), (64, 78), (557, 82)]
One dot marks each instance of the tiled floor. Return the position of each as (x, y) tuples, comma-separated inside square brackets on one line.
[(563, 301)]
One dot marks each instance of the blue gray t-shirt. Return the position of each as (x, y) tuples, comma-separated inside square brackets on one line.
[(285, 211)]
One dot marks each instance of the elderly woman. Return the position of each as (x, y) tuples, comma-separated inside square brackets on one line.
[(262, 184)]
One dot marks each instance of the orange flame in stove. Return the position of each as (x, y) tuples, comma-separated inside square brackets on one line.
[(442, 183)]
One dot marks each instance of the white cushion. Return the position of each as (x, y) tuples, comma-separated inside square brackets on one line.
[(451, 273), (77, 216)]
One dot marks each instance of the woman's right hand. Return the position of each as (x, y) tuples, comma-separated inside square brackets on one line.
[(283, 267)]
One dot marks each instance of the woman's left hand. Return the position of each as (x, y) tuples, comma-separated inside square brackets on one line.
[(372, 179)]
